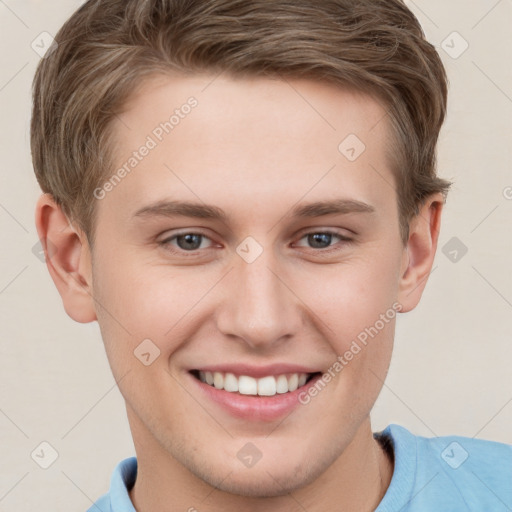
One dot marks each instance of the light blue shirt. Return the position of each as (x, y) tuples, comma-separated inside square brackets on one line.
[(438, 474)]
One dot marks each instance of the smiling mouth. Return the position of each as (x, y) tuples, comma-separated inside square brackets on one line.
[(245, 385)]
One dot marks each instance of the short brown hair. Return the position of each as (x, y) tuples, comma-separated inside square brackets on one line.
[(108, 47)]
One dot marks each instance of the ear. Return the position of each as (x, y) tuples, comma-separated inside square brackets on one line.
[(419, 252), (68, 259)]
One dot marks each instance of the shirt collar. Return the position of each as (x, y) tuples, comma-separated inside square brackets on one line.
[(396, 497)]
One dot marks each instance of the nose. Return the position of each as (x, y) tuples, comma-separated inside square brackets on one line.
[(260, 307)]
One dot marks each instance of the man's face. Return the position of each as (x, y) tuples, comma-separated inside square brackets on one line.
[(263, 288)]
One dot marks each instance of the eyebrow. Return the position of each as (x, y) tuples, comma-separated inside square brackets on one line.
[(173, 208)]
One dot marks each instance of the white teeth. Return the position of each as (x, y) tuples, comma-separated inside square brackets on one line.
[(230, 383), (218, 380), (267, 386), (282, 384), (245, 385), (293, 382)]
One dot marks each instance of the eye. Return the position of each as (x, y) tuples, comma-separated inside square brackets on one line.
[(192, 241), (323, 239), (187, 242)]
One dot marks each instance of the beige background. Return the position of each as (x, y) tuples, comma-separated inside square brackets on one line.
[(451, 368)]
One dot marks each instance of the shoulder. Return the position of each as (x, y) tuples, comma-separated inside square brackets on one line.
[(481, 469), (117, 499), (102, 504), (459, 472)]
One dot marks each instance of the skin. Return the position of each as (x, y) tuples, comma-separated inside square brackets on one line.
[(256, 149)]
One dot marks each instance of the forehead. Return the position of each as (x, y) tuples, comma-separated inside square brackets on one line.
[(274, 103), (265, 139)]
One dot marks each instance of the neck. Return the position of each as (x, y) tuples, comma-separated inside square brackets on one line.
[(356, 480)]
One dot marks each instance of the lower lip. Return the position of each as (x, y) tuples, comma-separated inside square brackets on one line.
[(255, 407)]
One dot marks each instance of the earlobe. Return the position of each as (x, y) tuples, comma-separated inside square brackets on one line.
[(419, 254), (67, 259)]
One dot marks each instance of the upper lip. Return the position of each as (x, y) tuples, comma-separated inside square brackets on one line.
[(257, 371)]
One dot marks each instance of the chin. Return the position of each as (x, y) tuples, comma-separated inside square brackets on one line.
[(254, 489), (260, 484), (264, 480)]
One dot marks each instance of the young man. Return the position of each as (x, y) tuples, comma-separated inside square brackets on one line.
[(243, 194)]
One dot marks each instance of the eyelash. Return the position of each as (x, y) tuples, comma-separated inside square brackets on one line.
[(346, 240)]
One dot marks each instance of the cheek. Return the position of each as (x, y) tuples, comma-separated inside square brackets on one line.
[(139, 295), (139, 300), (351, 297)]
